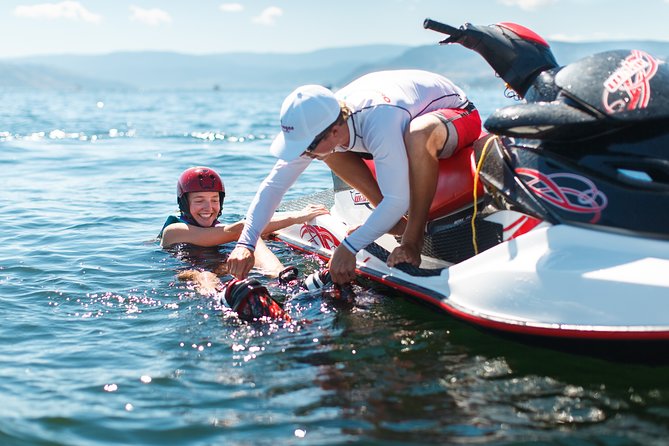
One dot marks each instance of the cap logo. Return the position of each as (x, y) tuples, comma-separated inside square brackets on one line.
[(287, 128)]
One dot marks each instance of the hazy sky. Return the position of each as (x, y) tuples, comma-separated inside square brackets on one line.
[(214, 26)]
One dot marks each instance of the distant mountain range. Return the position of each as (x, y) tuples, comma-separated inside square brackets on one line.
[(332, 67)]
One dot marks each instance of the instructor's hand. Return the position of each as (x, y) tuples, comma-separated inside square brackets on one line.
[(342, 266), (240, 262)]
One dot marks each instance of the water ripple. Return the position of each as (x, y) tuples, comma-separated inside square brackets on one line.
[(101, 344)]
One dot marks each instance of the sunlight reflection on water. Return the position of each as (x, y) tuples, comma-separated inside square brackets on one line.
[(103, 345)]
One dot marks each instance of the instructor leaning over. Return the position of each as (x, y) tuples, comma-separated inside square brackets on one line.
[(405, 119)]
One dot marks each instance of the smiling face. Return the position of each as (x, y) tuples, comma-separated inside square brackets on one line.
[(204, 207)]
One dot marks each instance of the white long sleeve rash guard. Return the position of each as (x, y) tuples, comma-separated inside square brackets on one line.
[(382, 104)]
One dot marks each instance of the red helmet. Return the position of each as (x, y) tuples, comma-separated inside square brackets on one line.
[(198, 179)]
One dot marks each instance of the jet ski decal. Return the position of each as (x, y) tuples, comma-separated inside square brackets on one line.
[(359, 199), (567, 191), (628, 88), (319, 236)]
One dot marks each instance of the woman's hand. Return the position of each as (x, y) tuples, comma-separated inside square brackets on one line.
[(311, 211)]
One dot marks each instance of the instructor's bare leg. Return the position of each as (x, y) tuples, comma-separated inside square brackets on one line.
[(424, 140), (353, 170)]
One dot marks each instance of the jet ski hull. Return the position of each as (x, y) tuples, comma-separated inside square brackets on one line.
[(555, 281)]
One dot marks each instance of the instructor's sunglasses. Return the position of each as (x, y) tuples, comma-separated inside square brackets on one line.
[(317, 140)]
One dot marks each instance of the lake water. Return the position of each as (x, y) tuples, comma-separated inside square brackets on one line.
[(100, 344)]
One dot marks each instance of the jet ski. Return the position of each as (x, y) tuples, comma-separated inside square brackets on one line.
[(554, 225)]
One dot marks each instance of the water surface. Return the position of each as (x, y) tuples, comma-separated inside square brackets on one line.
[(101, 344)]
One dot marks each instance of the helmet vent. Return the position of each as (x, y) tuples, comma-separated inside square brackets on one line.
[(207, 182)]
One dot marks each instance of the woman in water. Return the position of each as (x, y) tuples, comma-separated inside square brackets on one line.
[(200, 195)]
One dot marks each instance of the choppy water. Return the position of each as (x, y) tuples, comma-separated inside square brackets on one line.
[(100, 344)]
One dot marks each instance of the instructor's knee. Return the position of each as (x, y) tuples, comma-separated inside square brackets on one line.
[(426, 132)]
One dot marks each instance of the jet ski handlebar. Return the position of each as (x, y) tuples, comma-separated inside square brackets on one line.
[(442, 28), (516, 53)]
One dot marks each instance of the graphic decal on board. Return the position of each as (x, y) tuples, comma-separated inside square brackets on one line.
[(318, 235)]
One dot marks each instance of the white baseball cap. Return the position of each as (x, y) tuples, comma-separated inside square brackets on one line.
[(305, 113)]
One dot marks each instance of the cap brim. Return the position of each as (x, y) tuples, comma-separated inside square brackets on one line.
[(287, 150)]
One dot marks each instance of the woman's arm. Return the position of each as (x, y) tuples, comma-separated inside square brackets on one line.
[(282, 220), (195, 235), (219, 235)]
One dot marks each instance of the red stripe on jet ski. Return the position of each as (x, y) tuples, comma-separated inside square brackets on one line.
[(526, 225), (565, 332)]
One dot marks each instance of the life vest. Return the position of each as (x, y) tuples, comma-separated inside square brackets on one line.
[(182, 218)]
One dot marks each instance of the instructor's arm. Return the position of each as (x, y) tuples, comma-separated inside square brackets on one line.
[(260, 212)]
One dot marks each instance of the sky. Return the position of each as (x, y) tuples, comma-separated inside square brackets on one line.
[(38, 27)]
